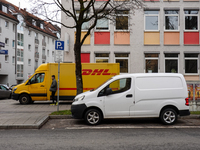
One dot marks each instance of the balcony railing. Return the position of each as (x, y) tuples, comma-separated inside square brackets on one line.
[(43, 43), (37, 55), (36, 41), (44, 57)]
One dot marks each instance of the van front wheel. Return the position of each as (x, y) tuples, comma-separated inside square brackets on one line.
[(93, 117), (168, 116), (24, 99)]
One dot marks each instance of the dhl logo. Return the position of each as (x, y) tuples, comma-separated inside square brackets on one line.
[(96, 72)]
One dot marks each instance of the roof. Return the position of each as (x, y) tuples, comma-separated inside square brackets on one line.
[(28, 17)]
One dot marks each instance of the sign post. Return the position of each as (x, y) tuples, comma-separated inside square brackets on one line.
[(59, 46)]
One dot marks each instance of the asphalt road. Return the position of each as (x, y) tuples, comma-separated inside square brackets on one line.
[(101, 139)]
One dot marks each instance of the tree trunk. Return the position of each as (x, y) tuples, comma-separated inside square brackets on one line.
[(77, 52)]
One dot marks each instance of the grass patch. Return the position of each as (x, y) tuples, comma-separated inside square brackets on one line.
[(62, 112), (195, 112)]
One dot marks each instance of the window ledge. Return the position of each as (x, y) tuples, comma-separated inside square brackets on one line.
[(171, 30), (151, 44), (152, 31), (122, 44), (122, 31), (191, 45), (171, 44), (190, 30), (191, 74), (101, 44)]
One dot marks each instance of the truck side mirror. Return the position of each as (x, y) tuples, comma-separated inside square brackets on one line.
[(108, 91)]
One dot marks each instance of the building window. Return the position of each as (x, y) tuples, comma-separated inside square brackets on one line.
[(171, 63), (20, 39), (29, 47), (85, 25), (6, 41), (102, 24), (33, 22), (13, 27), (191, 19), (52, 53), (36, 64), (20, 70), (151, 20), (29, 61), (6, 58), (13, 60), (191, 63), (151, 63), (48, 53), (102, 58), (13, 43), (21, 24), (4, 9), (6, 24), (41, 26), (0, 66), (29, 32), (36, 35), (122, 20), (20, 55), (123, 60), (171, 20)]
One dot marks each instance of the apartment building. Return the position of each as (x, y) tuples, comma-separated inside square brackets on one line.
[(27, 40), (162, 37)]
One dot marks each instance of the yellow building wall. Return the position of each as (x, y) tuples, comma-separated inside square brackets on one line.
[(151, 38), (122, 38), (87, 40)]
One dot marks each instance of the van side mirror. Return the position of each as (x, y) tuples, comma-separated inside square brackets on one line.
[(108, 91)]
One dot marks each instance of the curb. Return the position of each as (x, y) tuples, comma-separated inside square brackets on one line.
[(38, 125), (60, 117)]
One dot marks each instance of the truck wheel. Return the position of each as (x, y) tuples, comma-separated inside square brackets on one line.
[(168, 116), (24, 99), (93, 117)]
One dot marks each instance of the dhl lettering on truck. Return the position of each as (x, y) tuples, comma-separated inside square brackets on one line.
[(97, 72)]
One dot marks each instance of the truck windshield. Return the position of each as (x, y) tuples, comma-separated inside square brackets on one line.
[(100, 85)]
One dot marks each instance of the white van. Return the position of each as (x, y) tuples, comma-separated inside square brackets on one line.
[(160, 95)]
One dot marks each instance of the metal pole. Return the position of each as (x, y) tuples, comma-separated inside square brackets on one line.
[(58, 83)]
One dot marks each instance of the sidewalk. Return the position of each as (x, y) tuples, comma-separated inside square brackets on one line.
[(33, 116)]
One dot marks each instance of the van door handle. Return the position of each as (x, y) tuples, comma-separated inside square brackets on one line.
[(42, 86), (129, 95)]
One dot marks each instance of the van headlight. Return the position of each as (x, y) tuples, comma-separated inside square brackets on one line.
[(14, 90), (79, 98)]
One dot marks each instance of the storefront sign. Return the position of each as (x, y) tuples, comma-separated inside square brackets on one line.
[(4, 52)]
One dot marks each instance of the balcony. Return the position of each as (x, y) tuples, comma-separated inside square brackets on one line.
[(36, 41), (36, 55), (43, 43), (44, 57)]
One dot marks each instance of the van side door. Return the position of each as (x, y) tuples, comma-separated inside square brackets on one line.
[(118, 101), (37, 87)]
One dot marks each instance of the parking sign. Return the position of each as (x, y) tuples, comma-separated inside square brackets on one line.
[(59, 45)]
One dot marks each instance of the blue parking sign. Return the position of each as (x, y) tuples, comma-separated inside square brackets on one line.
[(59, 45)]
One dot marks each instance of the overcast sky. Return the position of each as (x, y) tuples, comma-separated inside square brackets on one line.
[(23, 3)]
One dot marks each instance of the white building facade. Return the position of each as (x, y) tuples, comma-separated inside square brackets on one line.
[(31, 42)]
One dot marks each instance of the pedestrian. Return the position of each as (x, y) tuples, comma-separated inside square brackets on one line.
[(53, 89)]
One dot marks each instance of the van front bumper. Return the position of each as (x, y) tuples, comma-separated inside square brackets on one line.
[(15, 96), (184, 112), (78, 110)]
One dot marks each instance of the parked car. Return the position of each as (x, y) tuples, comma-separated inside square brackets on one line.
[(12, 86), (159, 95), (5, 92)]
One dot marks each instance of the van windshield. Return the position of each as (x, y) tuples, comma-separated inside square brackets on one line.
[(100, 85)]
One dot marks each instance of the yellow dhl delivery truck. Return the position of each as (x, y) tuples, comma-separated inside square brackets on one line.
[(36, 88)]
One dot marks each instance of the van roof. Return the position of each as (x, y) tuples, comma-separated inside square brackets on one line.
[(149, 75)]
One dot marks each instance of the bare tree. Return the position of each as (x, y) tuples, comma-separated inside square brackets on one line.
[(89, 11)]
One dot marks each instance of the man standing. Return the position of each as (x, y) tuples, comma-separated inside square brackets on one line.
[(53, 89)]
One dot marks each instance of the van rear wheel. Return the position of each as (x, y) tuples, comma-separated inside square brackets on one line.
[(93, 117), (24, 99), (168, 116)]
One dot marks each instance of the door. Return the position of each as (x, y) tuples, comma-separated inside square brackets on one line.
[(37, 87), (4, 92), (118, 102)]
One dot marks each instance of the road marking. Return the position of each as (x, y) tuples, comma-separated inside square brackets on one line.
[(134, 127)]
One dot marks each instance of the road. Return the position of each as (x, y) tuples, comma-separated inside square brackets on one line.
[(101, 139)]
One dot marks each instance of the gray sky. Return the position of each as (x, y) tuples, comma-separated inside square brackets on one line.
[(23, 3)]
